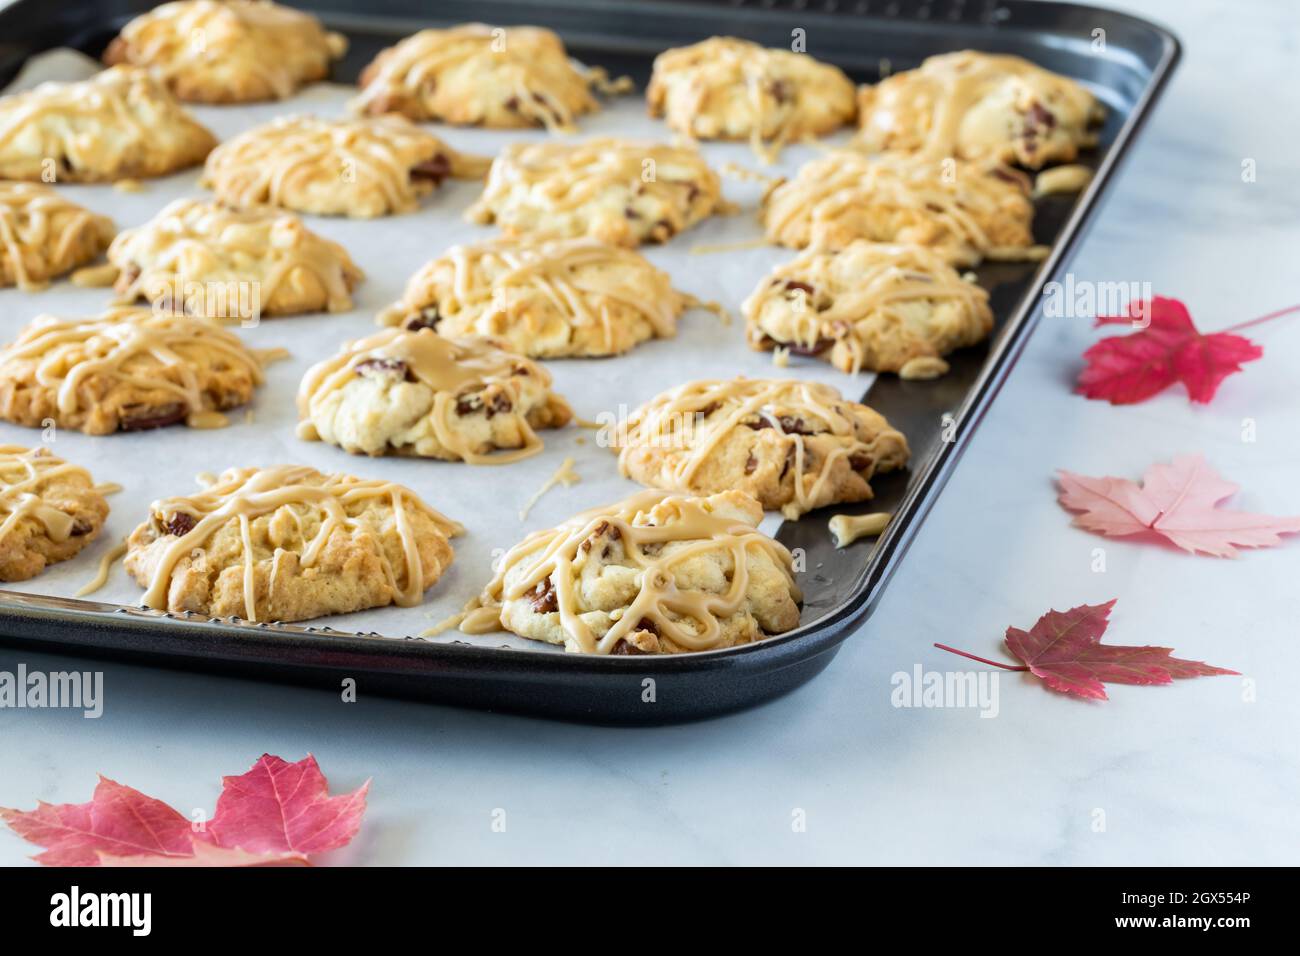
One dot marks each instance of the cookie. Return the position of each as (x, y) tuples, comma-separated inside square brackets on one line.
[(727, 88), (120, 124), (360, 168), (868, 306), (43, 235), (791, 445), (232, 51), (476, 75), (49, 510), (129, 369), (193, 245), (545, 299), (416, 393), (963, 211), (980, 106), (657, 573), (620, 192), (289, 544)]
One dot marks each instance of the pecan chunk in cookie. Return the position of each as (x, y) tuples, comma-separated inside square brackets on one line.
[(868, 306), (49, 510), (127, 370), (288, 544), (980, 106), (228, 51), (476, 75), (964, 212), (194, 244), (119, 124), (657, 573), (727, 88), (545, 299), (618, 191), (794, 446), (362, 168), (43, 235), (416, 393)]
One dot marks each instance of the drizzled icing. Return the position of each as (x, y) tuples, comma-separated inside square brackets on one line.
[(958, 104), (195, 241), (441, 74), (249, 50), (245, 494), (951, 206), (646, 523), (615, 190), (133, 347), (693, 419), (318, 165), (786, 96), (24, 475), (858, 298), (451, 368), (121, 122), (42, 234), (485, 288)]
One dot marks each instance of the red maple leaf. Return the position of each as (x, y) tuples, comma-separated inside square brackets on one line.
[(1178, 501), (1125, 369), (276, 814), (1064, 650)]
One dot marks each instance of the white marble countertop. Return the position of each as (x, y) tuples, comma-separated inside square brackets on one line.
[(1202, 772)]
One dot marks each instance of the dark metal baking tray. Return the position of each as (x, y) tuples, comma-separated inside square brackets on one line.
[(841, 588)]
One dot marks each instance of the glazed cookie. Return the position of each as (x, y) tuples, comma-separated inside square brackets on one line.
[(49, 511), (869, 306), (127, 370), (964, 212), (417, 393), (620, 192), (476, 75), (232, 51), (43, 235), (120, 124), (980, 106), (192, 244), (359, 167), (658, 573), (568, 297), (792, 445), (289, 544), (726, 88)]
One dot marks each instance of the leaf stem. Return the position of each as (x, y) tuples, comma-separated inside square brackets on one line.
[(982, 660), (1263, 318)]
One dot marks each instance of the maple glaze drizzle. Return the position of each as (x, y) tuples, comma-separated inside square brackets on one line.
[(245, 494), (192, 238), (951, 85), (24, 473), (130, 345), (563, 272), (844, 181), (542, 81), (725, 63), (447, 367), (660, 423), (32, 214), (892, 276), (274, 43), (266, 165), (645, 522)]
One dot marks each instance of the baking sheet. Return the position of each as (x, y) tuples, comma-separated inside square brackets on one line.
[(486, 499)]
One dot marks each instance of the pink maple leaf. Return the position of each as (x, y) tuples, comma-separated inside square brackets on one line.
[(1178, 501)]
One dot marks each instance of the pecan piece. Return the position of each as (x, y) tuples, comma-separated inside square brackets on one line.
[(542, 598), (180, 523), (435, 169), (139, 418)]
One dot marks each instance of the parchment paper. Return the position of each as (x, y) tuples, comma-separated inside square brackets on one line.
[(486, 499)]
